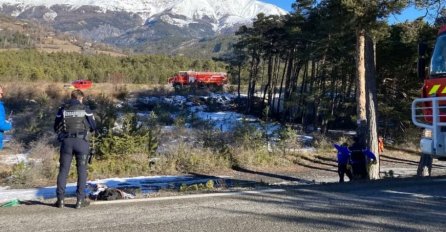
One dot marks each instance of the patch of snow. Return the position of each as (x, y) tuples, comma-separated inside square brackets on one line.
[(226, 121), (143, 114), (196, 109), (147, 184), (12, 159), (50, 16), (16, 13), (175, 100)]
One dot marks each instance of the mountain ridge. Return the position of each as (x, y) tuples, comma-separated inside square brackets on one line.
[(149, 26), (146, 9)]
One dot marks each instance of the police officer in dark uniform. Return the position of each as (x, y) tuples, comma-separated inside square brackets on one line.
[(358, 160), (73, 123)]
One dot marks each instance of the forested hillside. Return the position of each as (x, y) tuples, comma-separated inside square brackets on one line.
[(327, 67), (308, 59), (31, 65)]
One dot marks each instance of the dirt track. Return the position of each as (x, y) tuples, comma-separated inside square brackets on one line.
[(323, 169)]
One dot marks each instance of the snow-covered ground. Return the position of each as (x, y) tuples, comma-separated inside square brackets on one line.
[(222, 120), (145, 184), (12, 159)]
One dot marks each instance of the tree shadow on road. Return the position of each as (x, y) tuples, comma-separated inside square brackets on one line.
[(34, 202), (315, 168), (283, 177), (369, 203), (225, 182), (405, 161), (317, 161), (411, 152)]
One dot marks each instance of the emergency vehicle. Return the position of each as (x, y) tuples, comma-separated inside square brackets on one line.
[(429, 111)]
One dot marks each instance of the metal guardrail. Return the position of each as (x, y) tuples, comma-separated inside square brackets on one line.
[(432, 104), (430, 113)]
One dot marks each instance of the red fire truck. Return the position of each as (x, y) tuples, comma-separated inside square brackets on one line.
[(429, 111), (198, 79), (79, 84), (82, 84)]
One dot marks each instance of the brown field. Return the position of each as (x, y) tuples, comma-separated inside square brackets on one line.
[(50, 44), (98, 88)]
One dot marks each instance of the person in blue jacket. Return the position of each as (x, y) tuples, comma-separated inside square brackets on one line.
[(343, 157), (5, 124)]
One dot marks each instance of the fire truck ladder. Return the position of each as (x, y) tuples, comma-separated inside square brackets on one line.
[(428, 113)]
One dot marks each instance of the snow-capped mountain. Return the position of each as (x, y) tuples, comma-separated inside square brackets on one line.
[(130, 22), (225, 12)]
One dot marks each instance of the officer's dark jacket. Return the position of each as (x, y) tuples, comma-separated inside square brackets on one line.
[(78, 118)]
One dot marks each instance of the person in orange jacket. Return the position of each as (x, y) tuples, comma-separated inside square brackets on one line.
[(380, 145)]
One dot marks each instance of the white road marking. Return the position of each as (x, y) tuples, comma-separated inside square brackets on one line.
[(417, 195)]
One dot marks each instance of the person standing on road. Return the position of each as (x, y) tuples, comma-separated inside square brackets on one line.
[(343, 157), (73, 123), (5, 124), (358, 158)]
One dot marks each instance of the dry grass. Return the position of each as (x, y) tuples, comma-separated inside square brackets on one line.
[(259, 158), (41, 169), (131, 165), (184, 158), (57, 45), (5, 171), (56, 91)]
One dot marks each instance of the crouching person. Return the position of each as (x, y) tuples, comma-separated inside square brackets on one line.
[(343, 157), (5, 124), (73, 122)]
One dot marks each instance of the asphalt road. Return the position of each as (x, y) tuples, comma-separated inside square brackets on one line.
[(387, 205)]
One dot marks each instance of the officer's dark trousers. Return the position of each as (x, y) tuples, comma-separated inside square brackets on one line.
[(358, 165), (79, 148), (343, 170)]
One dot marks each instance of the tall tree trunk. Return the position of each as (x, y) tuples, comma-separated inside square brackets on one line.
[(333, 98), (239, 80), (361, 86), (303, 92), (349, 89), (372, 106), (276, 72), (281, 90), (289, 71), (250, 82), (267, 89)]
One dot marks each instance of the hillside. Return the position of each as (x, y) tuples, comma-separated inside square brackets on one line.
[(23, 34), (149, 26)]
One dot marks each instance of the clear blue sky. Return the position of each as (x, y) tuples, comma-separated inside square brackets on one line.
[(409, 14)]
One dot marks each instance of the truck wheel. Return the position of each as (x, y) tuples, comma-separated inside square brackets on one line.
[(211, 87), (425, 165), (219, 88), (177, 87)]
